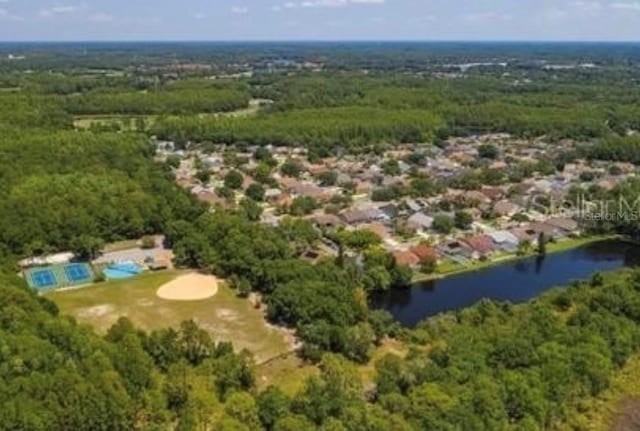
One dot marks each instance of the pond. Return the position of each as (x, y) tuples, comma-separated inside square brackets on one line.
[(515, 281)]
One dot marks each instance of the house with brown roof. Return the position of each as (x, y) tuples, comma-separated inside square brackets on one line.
[(547, 230), (566, 224), (356, 216), (378, 228), (456, 248), (211, 198), (285, 199), (326, 220), (425, 253), (364, 187), (524, 234), (493, 193), (474, 196), (406, 258), (315, 170), (505, 209), (483, 245), (298, 188)]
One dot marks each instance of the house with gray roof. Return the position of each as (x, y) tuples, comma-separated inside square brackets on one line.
[(420, 221), (504, 240)]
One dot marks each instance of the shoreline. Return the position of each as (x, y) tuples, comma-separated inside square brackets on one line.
[(552, 248)]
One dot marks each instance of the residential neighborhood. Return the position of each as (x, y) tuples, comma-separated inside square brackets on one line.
[(466, 200)]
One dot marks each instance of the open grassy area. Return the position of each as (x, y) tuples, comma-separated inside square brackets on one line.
[(290, 372), (128, 121), (287, 373), (617, 408), (225, 316), (126, 244)]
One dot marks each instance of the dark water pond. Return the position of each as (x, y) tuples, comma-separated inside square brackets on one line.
[(515, 281)]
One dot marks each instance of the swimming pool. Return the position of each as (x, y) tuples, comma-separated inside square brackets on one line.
[(119, 271)]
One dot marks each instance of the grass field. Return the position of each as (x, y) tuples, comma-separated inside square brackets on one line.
[(128, 121), (225, 316), (289, 372)]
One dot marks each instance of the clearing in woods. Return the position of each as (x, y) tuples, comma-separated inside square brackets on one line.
[(224, 315)]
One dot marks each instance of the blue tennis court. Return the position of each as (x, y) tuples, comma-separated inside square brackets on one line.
[(43, 279), (57, 276), (77, 273)]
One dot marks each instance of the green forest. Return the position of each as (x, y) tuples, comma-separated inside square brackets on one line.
[(494, 366)]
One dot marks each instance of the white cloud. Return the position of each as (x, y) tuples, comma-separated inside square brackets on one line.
[(422, 19), (199, 15), (58, 10), (324, 3), (588, 7), (63, 9), (487, 16), (5, 15), (555, 14), (633, 6), (101, 17), (240, 10)]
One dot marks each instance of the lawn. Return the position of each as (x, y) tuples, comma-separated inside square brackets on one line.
[(449, 267), (225, 316)]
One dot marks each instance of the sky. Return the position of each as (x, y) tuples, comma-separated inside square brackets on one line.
[(223, 20)]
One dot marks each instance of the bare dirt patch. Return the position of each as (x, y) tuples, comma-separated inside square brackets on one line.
[(96, 311), (227, 314), (629, 417), (189, 287)]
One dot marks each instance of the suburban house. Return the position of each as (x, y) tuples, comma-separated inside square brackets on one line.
[(565, 224), (504, 240), (326, 220), (406, 258), (505, 209), (378, 228), (272, 194), (390, 210), (524, 234), (547, 230), (420, 221), (425, 253), (456, 249), (482, 245), (366, 215)]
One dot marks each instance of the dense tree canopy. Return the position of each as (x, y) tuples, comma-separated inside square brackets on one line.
[(185, 101), (59, 185)]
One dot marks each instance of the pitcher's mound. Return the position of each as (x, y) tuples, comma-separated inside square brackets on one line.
[(189, 287)]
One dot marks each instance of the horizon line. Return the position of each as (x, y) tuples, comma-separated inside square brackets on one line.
[(550, 41)]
